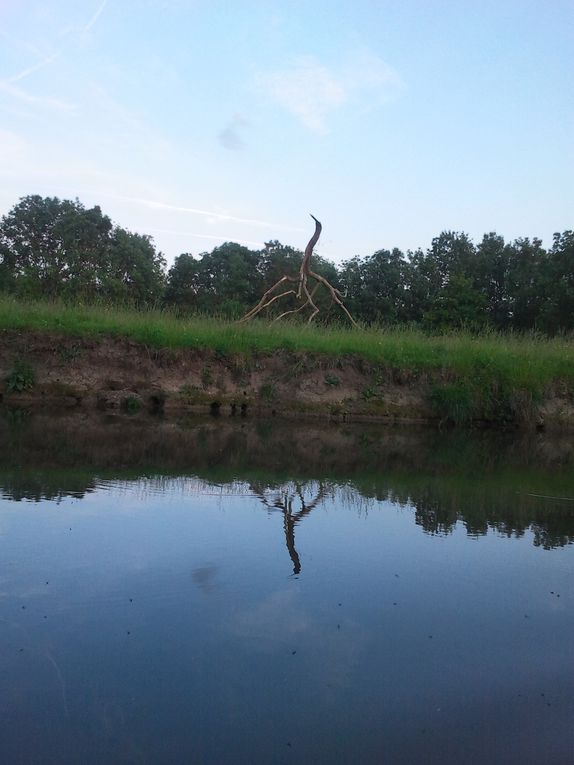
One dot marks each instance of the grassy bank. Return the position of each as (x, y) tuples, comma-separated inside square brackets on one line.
[(474, 376)]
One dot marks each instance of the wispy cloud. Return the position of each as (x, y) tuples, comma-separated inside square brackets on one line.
[(307, 89), (313, 91)]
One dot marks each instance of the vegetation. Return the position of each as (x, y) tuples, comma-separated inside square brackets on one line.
[(60, 249), (473, 320), (525, 361), (21, 378), (55, 248)]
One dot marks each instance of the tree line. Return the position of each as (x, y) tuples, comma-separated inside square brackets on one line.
[(60, 249)]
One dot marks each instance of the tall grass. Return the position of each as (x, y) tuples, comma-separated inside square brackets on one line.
[(526, 362)]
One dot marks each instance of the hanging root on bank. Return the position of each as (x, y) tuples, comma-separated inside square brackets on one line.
[(301, 288)]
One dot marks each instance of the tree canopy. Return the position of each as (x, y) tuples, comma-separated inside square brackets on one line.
[(59, 248)]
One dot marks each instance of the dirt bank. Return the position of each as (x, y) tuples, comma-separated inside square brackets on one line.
[(46, 369)]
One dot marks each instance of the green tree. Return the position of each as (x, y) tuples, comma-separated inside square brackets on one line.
[(276, 259), (375, 286), (182, 283), (134, 271), (47, 243), (59, 248), (225, 281), (527, 282), (452, 253), (491, 273), (420, 285), (557, 313), (457, 304), (433, 278)]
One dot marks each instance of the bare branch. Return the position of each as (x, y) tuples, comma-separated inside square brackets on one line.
[(262, 304), (302, 287), (335, 295)]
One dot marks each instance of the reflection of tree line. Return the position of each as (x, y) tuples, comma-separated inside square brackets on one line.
[(51, 458), (42, 486), (438, 509)]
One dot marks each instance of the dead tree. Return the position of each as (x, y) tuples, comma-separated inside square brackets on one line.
[(302, 290)]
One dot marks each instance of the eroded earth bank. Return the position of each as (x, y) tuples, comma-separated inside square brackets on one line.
[(47, 369)]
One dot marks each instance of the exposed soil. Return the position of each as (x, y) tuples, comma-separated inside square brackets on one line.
[(118, 373)]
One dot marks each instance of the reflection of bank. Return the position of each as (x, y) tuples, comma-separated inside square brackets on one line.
[(486, 481), (282, 500)]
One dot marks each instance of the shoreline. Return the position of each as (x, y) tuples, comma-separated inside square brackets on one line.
[(110, 372)]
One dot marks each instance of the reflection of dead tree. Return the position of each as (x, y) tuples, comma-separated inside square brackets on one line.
[(284, 503), (302, 293)]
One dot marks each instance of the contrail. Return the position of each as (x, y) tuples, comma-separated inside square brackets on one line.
[(207, 213), (95, 17), (52, 57), (22, 95), (206, 236), (32, 69)]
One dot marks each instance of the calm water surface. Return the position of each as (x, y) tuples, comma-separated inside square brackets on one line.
[(227, 592)]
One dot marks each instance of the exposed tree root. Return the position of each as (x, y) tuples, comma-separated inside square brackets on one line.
[(302, 292)]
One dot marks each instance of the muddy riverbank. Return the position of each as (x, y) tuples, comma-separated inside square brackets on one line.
[(52, 370)]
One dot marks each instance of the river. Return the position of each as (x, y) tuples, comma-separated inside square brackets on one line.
[(234, 591)]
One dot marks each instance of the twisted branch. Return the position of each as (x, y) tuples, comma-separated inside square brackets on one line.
[(302, 293)]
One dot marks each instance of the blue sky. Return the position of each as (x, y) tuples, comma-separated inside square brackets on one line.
[(204, 121)]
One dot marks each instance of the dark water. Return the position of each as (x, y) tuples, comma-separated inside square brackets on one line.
[(227, 592)]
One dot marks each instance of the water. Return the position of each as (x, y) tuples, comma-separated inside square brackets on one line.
[(228, 592)]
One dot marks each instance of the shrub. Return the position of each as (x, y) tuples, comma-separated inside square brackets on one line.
[(21, 378)]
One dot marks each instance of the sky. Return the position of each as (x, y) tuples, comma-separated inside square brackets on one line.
[(204, 121)]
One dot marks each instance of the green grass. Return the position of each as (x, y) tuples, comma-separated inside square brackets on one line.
[(503, 363)]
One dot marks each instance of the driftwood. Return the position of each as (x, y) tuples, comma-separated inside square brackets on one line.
[(301, 288)]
